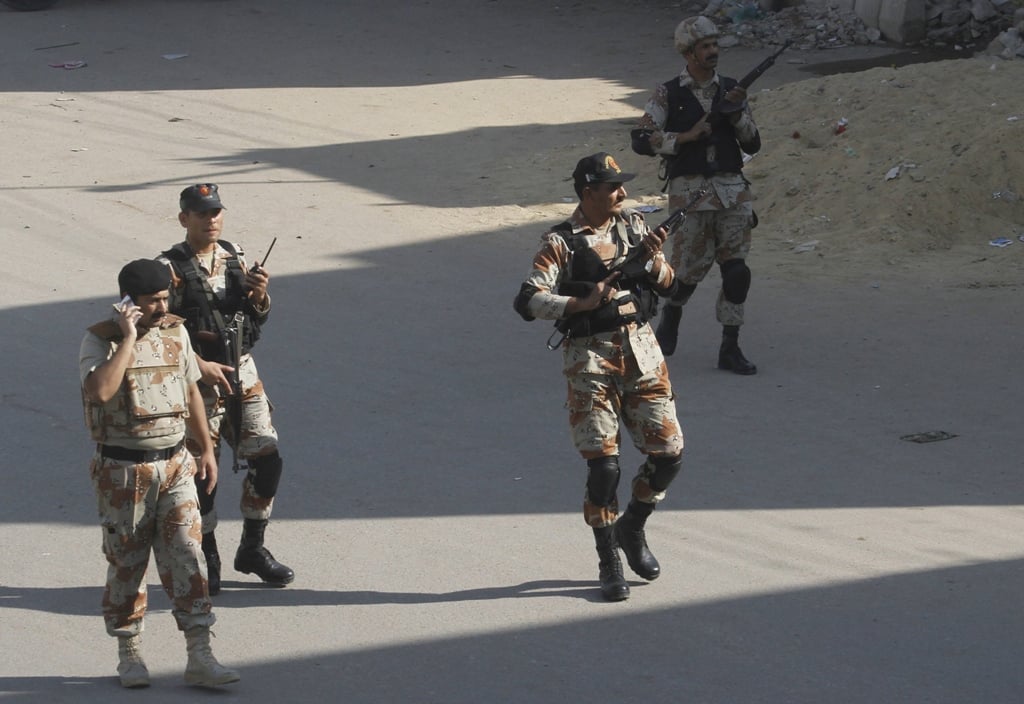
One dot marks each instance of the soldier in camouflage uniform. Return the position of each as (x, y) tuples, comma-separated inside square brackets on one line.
[(211, 284), (139, 390), (699, 122), (615, 370)]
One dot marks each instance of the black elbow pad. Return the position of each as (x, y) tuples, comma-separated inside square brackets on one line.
[(753, 146), (640, 141), (521, 303)]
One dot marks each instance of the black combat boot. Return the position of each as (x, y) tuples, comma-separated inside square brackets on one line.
[(253, 558), (667, 332), (730, 357), (212, 562), (629, 531), (613, 584)]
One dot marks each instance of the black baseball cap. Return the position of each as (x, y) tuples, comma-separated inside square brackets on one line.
[(599, 168), (200, 197)]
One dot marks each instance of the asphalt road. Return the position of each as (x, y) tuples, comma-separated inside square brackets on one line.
[(431, 499)]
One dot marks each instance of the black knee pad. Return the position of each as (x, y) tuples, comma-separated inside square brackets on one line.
[(265, 474), (602, 480), (735, 280), (665, 470)]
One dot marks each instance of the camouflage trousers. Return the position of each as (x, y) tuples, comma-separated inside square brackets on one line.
[(706, 238), (643, 403), (258, 437), (144, 507)]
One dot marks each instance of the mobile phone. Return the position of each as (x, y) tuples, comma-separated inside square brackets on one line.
[(120, 305)]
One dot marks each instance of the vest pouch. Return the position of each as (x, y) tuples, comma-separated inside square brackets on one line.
[(156, 391)]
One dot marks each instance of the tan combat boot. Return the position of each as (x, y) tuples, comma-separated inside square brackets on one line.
[(130, 667), (203, 669)]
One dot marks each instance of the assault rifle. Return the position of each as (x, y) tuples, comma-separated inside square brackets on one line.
[(640, 137), (727, 107), (632, 271), (232, 336)]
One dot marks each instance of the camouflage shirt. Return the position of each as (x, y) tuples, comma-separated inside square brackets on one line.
[(603, 352)]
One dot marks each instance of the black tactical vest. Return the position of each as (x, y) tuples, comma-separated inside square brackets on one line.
[(206, 314), (587, 269), (684, 110)]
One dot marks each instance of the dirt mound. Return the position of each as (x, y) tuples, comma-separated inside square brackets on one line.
[(926, 172)]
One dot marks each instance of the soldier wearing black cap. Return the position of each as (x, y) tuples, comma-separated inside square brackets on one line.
[(216, 292), (615, 369), (139, 389)]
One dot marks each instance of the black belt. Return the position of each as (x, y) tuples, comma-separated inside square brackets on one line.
[(115, 452)]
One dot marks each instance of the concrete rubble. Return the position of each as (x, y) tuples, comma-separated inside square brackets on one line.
[(994, 27)]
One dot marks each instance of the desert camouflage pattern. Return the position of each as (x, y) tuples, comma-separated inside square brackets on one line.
[(614, 378), (148, 506), (150, 408), (553, 260), (643, 401), (214, 266), (704, 239), (642, 488), (258, 435), (719, 228), (692, 30), (599, 516)]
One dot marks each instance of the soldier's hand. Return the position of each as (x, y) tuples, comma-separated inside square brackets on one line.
[(215, 374), (700, 130), (737, 95), (652, 242), (206, 468), (256, 280), (127, 317)]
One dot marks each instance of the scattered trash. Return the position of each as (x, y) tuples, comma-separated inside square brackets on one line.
[(850, 151), (69, 65), (840, 126), (1001, 242), (807, 246), (79, 149), (930, 436), (172, 57), (1013, 118), (567, 199), (895, 171), (647, 208)]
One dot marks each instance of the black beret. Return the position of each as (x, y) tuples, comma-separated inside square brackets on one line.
[(144, 276)]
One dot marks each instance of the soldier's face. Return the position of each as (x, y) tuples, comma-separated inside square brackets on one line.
[(705, 53), (153, 307), (202, 229), (607, 198)]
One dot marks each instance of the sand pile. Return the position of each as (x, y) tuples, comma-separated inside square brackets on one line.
[(927, 170)]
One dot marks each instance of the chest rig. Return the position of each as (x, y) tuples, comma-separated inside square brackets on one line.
[(208, 315), (636, 301)]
